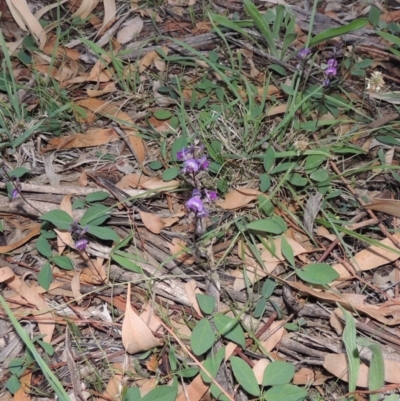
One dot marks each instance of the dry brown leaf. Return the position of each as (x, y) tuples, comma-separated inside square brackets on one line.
[(151, 58), (191, 291), (64, 238), (273, 335), (152, 222), (149, 12), (370, 258), (158, 184), (388, 206), (347, 302), (97, 137), (304, 376), (99, 72), (273, 111), (337, 365), (109, 88), (136, 335), (177, 248), (26, 20), (129, 30), (76, 287), (113, 389), (123, 119), (335, 321), (110, 11), (23, 394), (5, 274), (268, 257), (238, 198), (194, 391), (34, 230), (85, 9), (258, 369)]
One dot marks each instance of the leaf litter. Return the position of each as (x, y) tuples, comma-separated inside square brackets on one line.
[(179, 182)]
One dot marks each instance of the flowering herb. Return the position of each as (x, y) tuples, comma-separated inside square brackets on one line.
[(194, 162), (303, 53), (77, 233)]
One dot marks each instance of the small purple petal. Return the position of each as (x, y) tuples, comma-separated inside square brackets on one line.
[(331, 71), (202, 213), (81, 244), (185, 153), (196, 193), (210, 195), (14, 193), (190, 166), (303, 53), (195, 204), (326, 83), (203, 163), (332, 62)]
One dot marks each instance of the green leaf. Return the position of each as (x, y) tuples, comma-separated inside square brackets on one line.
[(297, 180), (260, 308), (161, 393), (339, 31), (319, 175), (376, 371), (273, 225), (45, 276), (127, 263), (97, 196), (43, 247), (244, 375), (287, 251), (17, 366), (266, 205), (59, 218), (374, 15), (230, 328), (202, 338), (206, 303), (268, 288), (95, 215), (287, 392), (353, 357), (269, 159), (265, 182), (132, 394), (48, 348), (389, 37), (188, 372), (155, 165), (18, 172), (318, 273), (64, 262), (212, 364), (162, 114), (170, 173), (105, 233), (13, 384), (179, 144), (262, 25), (278, 373), (283, 167)]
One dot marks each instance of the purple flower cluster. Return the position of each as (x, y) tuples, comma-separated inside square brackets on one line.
[(303, 53), (196, 204), (194, 161), (78, 233)]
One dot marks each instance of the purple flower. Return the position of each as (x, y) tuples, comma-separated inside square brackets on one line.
[(14, 193), (326, 82), (203, 163), (185, 153), (195, 204), (332, 62), (196, 193), (81, 244), (202, 213), (210, 195), (303, 53), (331, 71), (190, 166)]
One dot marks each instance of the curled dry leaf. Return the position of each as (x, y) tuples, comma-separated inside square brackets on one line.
[(34, 230), (388, 206), (5, 274), (136, 335), (370, 258), (194, 391), (177, 248), (129, 30), (95, 137), (142, 181), (238, 198), (258, 369), (273, 111), (152, 222), (152, 58)]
